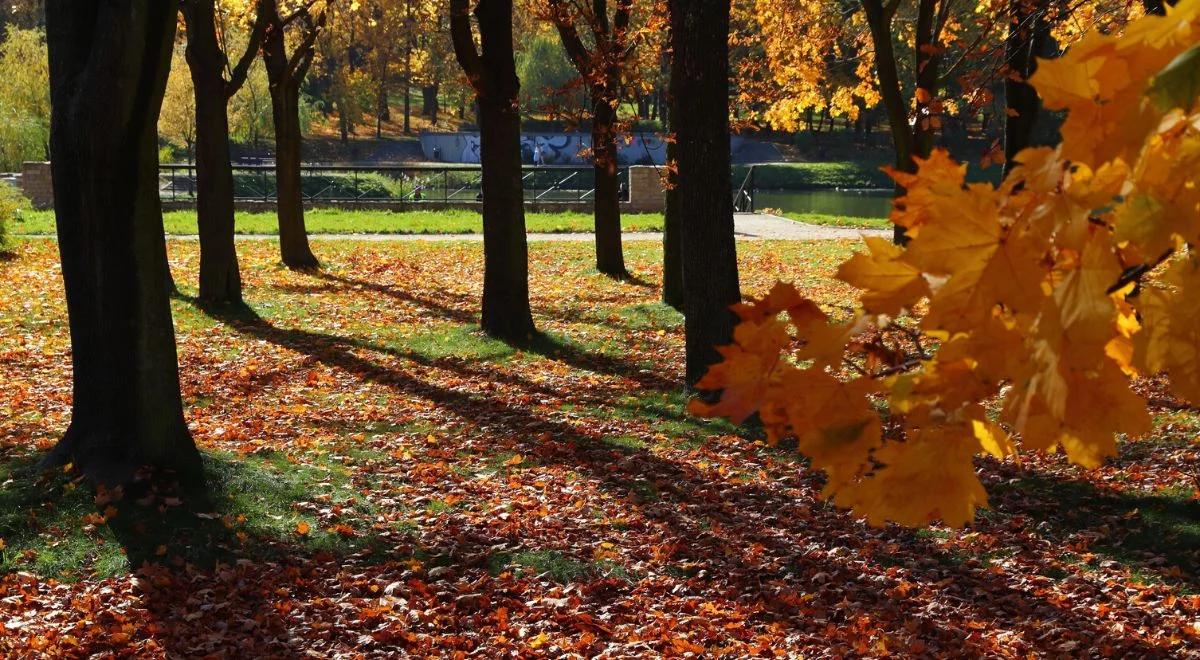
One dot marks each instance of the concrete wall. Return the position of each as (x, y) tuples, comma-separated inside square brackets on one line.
[(37, 184), (556, 148)]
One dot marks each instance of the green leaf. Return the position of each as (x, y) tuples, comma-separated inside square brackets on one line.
[(1178, 85)]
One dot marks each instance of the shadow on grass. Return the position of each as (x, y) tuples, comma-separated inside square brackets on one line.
[(342, 283), (54, 524), (204, 559), (714, 525), (1157, 535)]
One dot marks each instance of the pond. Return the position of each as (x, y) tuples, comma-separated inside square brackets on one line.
[(847, 203)]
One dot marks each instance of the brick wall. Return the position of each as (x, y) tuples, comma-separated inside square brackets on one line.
[(37, 185), (645, 190)]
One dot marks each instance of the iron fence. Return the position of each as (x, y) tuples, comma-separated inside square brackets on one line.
[(416, 184)]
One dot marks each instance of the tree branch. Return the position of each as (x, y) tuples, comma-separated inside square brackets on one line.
[(1135, 273), (464, 44), (572, 43), (302, 59), (237, 77)]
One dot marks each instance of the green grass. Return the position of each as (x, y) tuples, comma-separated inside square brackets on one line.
[(809, 176), (54, 525), (836, 220), (1150, 532), (333, 221), (556, 566)]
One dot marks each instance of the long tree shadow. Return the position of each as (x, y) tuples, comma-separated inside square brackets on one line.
[(346, 284), (1157, 534), (689, 503), (543, 344), (216, 570)]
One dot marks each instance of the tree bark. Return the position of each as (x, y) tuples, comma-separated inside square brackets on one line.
[(672, 293), (108, 69), (700, 74), (493, 75), (610, 259), (284, 75), (601, 67), (1025, 32), (916, 140), (220, 279), (429, 102)]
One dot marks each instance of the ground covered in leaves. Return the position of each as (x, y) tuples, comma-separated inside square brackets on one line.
[(385, 481)]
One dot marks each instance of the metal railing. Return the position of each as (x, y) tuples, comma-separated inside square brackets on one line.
[(743, 198), (416, 184)]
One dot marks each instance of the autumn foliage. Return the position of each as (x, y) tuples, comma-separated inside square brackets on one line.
[(1016, 316)]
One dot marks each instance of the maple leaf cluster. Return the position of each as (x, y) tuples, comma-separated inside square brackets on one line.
[(1044, 295)]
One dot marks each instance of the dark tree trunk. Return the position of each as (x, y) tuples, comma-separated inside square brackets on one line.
[(700, 75), (493, 74), (384, 108), (601, 66), (293, 236), (108, 69), (907, 141), (407, 108), (220, 281), (429, 102), (284, 75), (1026, 31), (609, 257), (672, 293)]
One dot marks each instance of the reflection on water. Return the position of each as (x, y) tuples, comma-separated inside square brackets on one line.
[(847, 203)]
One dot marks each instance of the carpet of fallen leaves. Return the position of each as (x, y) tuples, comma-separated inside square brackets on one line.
[(556, 501)]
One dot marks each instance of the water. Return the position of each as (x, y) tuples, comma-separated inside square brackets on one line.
[(845, 203)]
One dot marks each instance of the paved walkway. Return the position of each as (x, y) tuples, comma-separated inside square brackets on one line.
[(747, 226)]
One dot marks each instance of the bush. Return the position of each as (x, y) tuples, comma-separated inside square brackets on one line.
[(12, 203)]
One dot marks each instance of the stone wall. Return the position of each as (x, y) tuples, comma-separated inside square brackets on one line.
[(37, 184)]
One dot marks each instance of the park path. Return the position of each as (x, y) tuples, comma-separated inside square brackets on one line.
[(746, 226)]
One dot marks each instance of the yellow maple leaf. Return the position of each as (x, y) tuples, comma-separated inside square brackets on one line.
[(1170, 342), (928, 477), (889, 284)]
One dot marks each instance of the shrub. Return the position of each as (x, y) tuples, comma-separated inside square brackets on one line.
[(12, 203)]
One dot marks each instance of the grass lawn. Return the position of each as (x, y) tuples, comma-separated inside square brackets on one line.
[(834, 220), (384, 479), (452, 221), (333, 221)]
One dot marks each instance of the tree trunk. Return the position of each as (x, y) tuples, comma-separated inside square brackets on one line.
[(609, 257), (384, 109), (293, 236), (700, 74), (220, 281), (285, 110), (1021, 100), (889, 89), (492, 71), (109, 63), (672, 293), (429, 102)]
